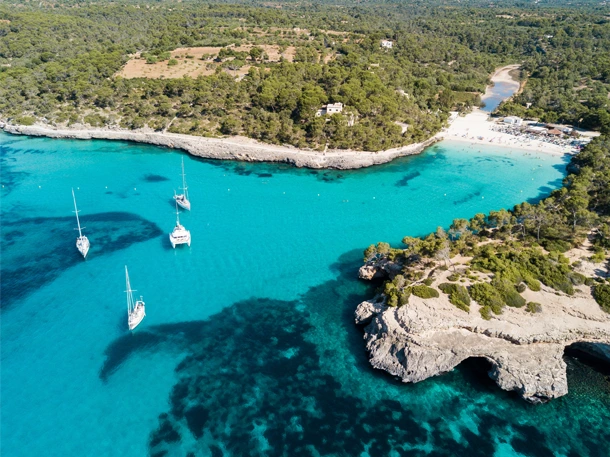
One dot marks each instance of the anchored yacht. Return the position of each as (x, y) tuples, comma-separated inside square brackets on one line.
[(183, 199), (179, 235), (82, 242), (135, 308)]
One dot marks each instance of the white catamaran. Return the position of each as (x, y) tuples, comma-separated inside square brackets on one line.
[(179, 235), (135, 309), (183, 199), (82, 242)]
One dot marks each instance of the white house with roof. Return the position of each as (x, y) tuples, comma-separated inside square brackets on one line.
[(387, 44), (330, 109)]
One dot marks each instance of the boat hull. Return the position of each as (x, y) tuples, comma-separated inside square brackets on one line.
[(136, 316), (177, 241), (82, 244), (180, 236), (182, 202)]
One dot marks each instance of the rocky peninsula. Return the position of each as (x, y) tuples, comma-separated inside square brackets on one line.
[(232, 148), (429, 337)]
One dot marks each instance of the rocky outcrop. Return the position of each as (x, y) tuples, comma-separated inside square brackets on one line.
[(430, 337), (234, 148), (380, 268)]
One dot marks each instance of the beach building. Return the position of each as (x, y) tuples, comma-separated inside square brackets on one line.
[(554, 132), (331, 108), (388, 44), (536, 129), (513, 120)]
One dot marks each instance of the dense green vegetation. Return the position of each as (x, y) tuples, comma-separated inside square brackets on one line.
[(58, 64), (458, 295), (519, 249)]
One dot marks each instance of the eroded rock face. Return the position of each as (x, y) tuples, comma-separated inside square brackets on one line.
[(430, 337), (381, 268)]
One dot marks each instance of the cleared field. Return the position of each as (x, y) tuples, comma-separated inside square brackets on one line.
[(195, 61)]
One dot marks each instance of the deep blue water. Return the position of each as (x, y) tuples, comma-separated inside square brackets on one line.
[(248, 347), (497, 94)]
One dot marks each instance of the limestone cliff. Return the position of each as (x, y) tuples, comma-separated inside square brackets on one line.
[(429, 337)]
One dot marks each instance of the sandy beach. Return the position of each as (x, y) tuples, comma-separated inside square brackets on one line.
[(475, 128)]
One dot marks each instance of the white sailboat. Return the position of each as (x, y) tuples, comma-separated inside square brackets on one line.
[(179, 235), (135, 308), (183, 199), (82, 242)]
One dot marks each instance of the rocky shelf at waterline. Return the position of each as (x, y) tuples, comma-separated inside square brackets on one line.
[(429, 337), (233, 148)]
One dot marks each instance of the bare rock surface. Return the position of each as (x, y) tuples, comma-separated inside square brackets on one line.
[(430, 337)]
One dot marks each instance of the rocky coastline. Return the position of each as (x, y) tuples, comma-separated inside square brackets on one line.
[(233, 148), (429, 337)]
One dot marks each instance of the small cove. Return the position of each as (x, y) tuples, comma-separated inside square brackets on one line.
[(248, 346)]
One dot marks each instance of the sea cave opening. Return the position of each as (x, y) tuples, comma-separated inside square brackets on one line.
[(475, 371), (595, 356)]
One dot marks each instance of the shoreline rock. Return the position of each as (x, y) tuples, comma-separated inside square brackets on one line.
[(421, 340), (236, 148), (430, 337)]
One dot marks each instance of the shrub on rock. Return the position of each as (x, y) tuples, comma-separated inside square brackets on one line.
[(601, 293), (458, 295), (423, 291), (533, 307)]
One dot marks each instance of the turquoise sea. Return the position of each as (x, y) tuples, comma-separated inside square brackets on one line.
[(249, 346)]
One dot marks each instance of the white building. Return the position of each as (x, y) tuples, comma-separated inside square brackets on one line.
[(387, 44), (513, 120), (331, 108)]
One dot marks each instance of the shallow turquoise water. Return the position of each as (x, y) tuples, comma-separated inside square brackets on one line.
[(248, 347)]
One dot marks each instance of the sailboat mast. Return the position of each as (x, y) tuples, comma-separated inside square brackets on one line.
[(80, 234), (129, 297), (186, 194)]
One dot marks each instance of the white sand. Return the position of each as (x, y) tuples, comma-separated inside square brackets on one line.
[(474, 128)]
